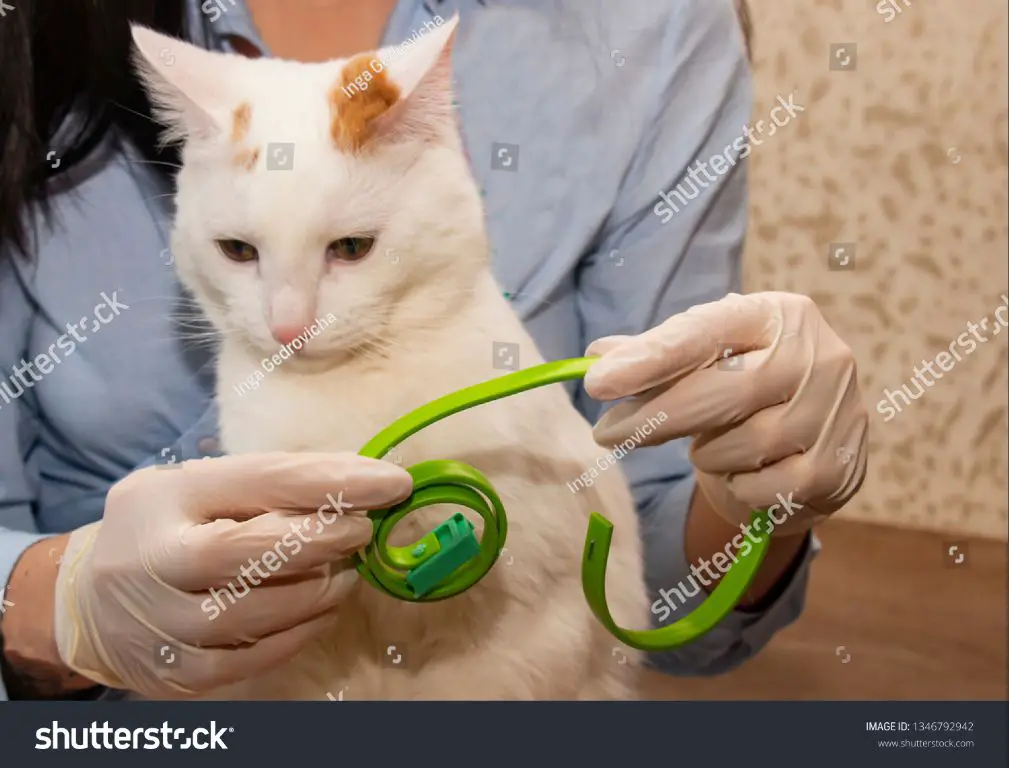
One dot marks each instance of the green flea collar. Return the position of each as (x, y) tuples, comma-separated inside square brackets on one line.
[(449, 560)]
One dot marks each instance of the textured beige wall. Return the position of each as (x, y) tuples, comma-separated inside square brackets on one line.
[(905, 156)]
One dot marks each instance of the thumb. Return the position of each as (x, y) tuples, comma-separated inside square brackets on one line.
[(600, 347)]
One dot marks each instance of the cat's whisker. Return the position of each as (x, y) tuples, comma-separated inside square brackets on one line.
[(156, 197), (157, 162), (134, 112), (195, 330), (370, 348), (193, 344), (204, 330), (182, 302), (194, 311), (374, 338)]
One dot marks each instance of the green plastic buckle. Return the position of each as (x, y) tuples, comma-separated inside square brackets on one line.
[(441, 553)]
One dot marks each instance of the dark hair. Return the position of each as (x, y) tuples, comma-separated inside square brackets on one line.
[(56, 57)]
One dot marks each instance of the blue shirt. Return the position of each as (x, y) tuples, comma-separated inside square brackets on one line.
[(575, 118)]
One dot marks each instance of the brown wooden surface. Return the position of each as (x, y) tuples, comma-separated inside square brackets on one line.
[(916, 625)]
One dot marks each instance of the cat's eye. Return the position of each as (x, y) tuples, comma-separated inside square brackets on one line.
[(349, 248), (238, 250)]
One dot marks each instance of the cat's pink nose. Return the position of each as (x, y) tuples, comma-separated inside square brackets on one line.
[(285, 334)]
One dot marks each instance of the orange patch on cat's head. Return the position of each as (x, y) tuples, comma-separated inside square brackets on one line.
[(354, 105), (241, 119)]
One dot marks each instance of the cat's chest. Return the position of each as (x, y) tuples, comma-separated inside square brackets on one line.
[(322, 413), (286, 417), (342, 409)]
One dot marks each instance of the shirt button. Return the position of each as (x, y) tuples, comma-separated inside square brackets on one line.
[(209, 446)]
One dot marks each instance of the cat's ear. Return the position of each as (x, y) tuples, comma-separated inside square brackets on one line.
[(423, 68), (402, 92), (185, 84), (424, 72)]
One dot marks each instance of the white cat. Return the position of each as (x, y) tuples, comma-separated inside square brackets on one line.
[(370, 221)]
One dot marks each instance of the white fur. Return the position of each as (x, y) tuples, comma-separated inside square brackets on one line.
[(415, 320)]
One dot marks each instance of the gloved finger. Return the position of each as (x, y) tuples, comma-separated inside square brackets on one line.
[(216, 553), (819, 474), (766, 437), (247, 485), (818, 411), (204, 669), (710, 399), (251, 607), (684, 343)]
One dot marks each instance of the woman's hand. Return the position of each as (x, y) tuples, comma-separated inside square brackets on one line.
[(767, 389), (211, 571)]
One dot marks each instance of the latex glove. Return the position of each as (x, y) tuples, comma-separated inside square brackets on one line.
[(767, 389), (139, 580)]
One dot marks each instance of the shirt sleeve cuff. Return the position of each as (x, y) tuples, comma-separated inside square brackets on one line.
[(12, 546), (741, 634)]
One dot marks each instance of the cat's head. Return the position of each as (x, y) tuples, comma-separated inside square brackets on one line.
[(336, 191)]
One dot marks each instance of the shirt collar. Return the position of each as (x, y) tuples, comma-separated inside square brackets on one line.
[(235, 21), (212, 24)]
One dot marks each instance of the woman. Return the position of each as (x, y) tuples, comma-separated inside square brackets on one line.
[(575, 153)]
